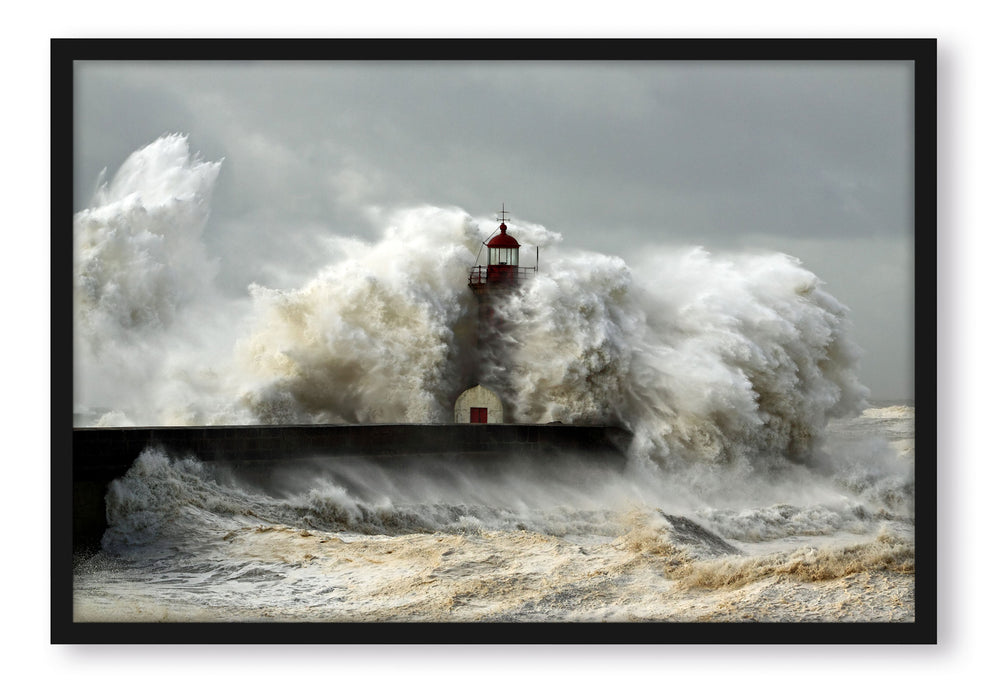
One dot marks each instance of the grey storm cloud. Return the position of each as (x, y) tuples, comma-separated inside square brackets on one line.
[(812, 159)]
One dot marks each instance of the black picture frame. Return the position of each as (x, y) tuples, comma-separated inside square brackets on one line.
[(65, 51)]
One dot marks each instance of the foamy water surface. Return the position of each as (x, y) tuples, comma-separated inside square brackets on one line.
[(351, 541)]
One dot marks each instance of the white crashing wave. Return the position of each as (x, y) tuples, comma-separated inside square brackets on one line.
[(142, 281), (715, 359), (705, 357), (374, 337), (139, 253), (701, 356)]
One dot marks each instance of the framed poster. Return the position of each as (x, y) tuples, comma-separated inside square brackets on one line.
[(671, 284)]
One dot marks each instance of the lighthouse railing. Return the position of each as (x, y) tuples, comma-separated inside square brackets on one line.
[(478, 276)]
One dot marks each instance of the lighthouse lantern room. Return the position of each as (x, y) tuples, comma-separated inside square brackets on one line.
[(503, 262)]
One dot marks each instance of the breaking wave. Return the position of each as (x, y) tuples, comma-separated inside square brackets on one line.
[(736, 360)]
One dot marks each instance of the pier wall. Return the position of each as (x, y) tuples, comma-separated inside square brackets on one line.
[(100, 455)]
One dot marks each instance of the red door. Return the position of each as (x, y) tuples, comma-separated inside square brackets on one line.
[(479, 415)]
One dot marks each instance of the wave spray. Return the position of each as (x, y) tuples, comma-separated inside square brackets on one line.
[(700, 355)]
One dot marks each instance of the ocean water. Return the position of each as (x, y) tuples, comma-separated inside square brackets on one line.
[(355, 541), (761, 484)]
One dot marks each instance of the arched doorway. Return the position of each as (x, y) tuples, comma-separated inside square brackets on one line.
[(478, 404)]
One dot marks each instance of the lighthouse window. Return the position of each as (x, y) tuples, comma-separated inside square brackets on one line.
[(503, 256)]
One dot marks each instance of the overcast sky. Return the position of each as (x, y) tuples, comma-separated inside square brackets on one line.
[(812, 159)]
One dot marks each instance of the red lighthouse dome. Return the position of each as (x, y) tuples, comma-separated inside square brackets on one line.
[(503, 239)]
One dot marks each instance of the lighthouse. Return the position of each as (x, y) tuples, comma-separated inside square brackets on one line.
[(491, 284)]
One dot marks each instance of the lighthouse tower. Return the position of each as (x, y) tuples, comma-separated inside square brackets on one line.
[(491, 283)]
